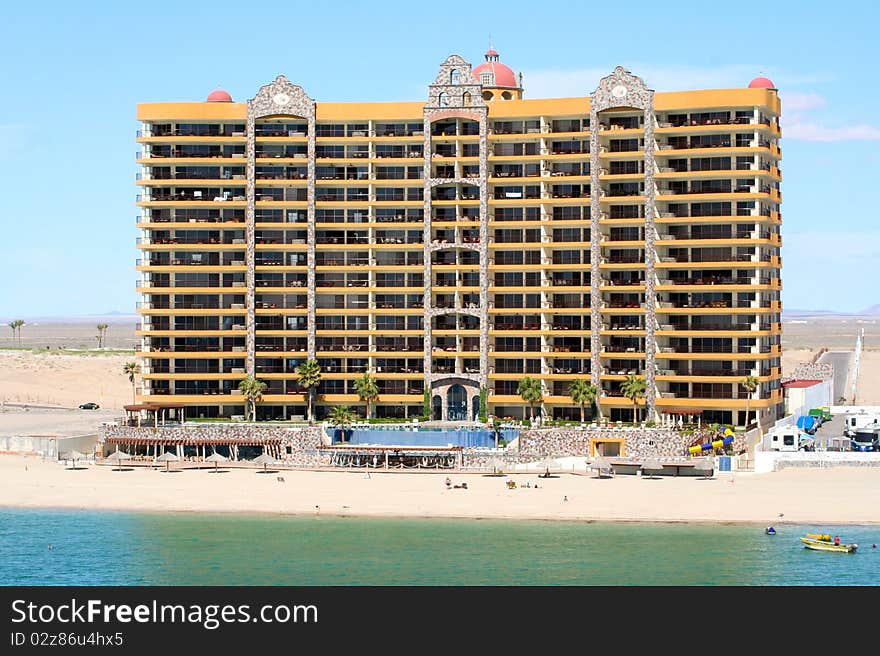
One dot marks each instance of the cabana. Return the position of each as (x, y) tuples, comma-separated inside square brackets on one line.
[(155, 441)]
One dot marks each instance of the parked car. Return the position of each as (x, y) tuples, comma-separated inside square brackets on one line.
[(89, 406)]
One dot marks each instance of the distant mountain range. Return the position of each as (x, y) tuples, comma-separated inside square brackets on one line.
[(110, 317), (794, 313)]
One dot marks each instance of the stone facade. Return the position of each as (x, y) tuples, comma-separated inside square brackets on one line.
[(455, 93), (622, 89), (279, 98), (640, 442)]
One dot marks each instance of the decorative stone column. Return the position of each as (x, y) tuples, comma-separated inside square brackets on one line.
[(623, 90), (462, 99), (279, 98)]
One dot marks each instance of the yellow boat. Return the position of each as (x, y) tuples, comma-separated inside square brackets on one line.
[(823, 544)]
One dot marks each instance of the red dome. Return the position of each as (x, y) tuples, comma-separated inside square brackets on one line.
[(504, 75), (761, 83), (219, 95)]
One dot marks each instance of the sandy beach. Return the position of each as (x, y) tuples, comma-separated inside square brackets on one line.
[(834, 495), (62, 379)]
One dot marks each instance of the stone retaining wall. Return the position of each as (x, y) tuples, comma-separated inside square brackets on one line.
[(640, 442)]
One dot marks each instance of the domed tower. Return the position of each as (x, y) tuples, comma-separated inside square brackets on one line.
[(498, 80)]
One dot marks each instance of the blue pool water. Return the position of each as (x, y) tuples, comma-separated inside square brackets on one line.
[(466, 437)]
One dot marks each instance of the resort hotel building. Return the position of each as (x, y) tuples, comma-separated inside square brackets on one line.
[(454, 245)]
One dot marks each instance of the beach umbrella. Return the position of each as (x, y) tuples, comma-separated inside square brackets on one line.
[(651, 465), (550, 463), (118, 457), (707, 466), (216, 458), (73, 456), (168, 457), (599, 463), (264, 459)]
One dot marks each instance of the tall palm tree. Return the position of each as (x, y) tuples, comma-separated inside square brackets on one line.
[(750, 384), (367, 389), (131, 369), (496, 428), (582, 393), (530, 390), (309, 376), (16, 328), (633, 388), (341, 416), (102, 333), (252, 389)]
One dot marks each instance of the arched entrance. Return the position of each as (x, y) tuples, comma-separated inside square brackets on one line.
[(437, 407), (456, 403)]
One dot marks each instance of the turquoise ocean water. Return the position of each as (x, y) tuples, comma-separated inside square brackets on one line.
[(120, 548)]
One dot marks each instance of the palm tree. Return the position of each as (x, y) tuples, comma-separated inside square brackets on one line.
[(582, 393), (309, 376), (253, 389), (341, 416), (633, 388), (16, 327), (750, 384), (367, 389), (530, 390), (496, 428), (102, 330), (131, 369)]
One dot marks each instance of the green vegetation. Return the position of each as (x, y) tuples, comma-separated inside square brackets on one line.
[(252, 389), (16, 328), (102, 333), (633, 388), (749, 384), (367, 389), (530, 391), (426, 406), (484, 406), (132, 369), (583, 394), (309, 377), (341, 416)]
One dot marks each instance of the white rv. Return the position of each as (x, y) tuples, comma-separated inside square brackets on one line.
[(854, 422), (786, 438)]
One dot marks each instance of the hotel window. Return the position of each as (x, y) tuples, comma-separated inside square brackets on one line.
[(710, 164), (337, 130)]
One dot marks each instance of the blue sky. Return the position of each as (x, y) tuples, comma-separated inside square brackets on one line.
[(72, 74)]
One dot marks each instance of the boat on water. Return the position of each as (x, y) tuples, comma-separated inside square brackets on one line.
[(819, 542), (770, 530)]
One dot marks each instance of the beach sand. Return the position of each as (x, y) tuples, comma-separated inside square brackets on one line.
[(831, 495), (63, 379)]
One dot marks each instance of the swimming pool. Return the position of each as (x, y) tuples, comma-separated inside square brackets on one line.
[(467, 437)]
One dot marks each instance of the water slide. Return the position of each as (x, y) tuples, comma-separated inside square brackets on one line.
[(725, 440)]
